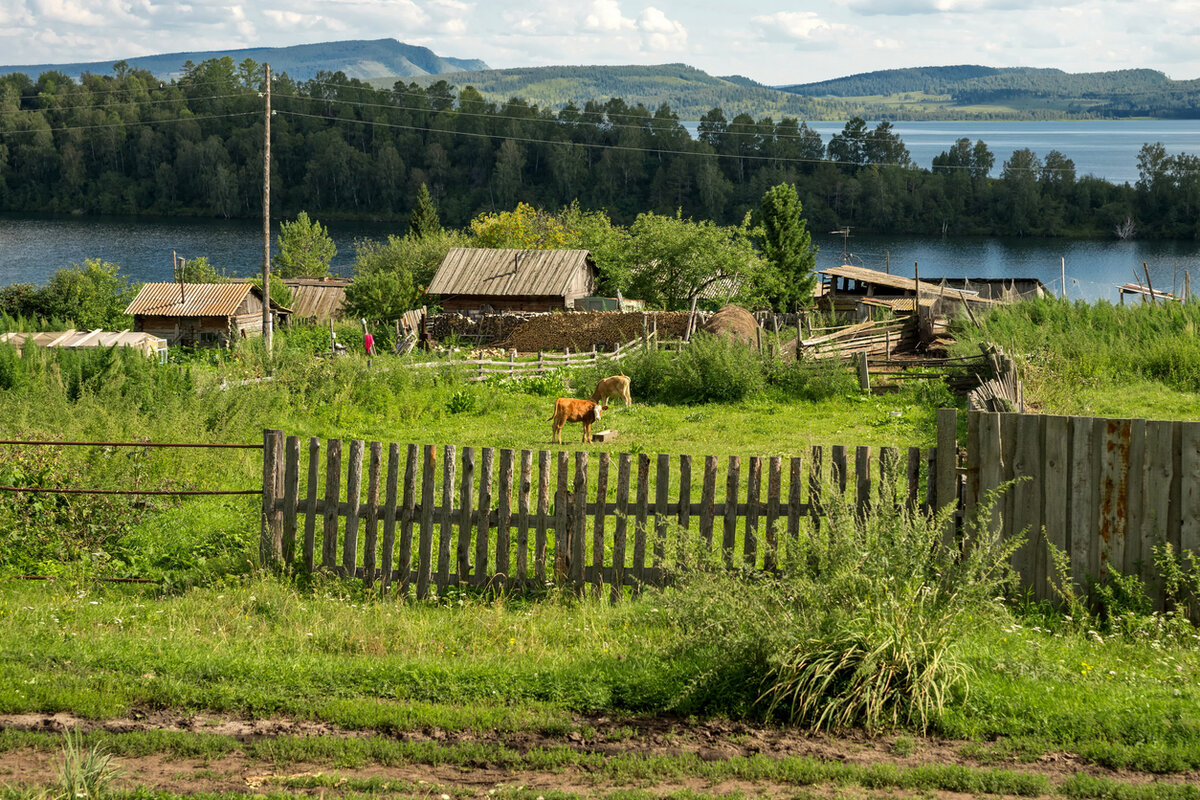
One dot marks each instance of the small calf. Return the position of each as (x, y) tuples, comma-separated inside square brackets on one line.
[(615, 386), (567, 409)]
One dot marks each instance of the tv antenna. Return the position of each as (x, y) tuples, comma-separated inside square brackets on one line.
[(845, 234)]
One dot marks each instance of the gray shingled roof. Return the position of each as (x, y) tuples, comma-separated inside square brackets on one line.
[(478, 271)]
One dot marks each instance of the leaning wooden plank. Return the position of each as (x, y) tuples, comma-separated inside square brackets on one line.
[(708, 502), (731, 498), (562, 514), (685, 502), (291, 496), (408, 516), (598, 524), (524, 487), (618, 557), (370, 540), (862, 479), (446, 519), (333, 486), (816, 480), (579, 520), (483, 526), (1084, 513), (310, 504), (971, 489), (795, 495), (504, 517), (1027, 498), (774, 486), (1056, 476), (753, 491), (662, 485), (354, 500), (466, 519), (639, 529), (425, 539), (389, 515), (1135, 558), (543, 510), (1158, 477), (838, 470)]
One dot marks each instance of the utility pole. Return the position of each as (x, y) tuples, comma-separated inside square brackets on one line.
[(268, 338)]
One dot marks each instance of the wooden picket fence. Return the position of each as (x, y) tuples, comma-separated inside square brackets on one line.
[(485, 368), (443, 516)]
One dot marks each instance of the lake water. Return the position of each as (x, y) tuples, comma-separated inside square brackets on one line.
[(31, 249), (1107, 149)]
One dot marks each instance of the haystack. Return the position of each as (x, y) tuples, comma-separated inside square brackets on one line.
[(735, 323)]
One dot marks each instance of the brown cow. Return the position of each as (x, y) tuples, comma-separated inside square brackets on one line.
[(615, 386), (567, 409)]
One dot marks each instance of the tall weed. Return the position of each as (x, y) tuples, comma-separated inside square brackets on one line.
[(857, 627)]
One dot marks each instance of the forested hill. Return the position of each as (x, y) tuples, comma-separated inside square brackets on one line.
[(961, 90), (688, 91), (360, 59)]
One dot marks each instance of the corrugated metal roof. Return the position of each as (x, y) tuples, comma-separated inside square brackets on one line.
[(478, 271), (199, 299), (146, 342)]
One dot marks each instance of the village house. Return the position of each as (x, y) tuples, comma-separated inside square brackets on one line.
[(202, 313), (475, 279)]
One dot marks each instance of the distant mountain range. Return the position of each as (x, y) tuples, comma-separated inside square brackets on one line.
[(957, 92), (953, 92), (362, 59)]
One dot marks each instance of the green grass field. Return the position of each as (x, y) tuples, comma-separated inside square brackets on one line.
[(969, 688)]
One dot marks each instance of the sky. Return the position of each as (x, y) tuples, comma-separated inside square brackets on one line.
[(769, 41)]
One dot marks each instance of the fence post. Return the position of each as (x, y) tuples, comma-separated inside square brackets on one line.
[(270, 550), (291, 496)]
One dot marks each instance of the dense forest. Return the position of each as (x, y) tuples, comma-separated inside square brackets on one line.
[(128, 143)]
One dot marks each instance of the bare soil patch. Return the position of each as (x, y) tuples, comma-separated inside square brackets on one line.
[(710, 740)]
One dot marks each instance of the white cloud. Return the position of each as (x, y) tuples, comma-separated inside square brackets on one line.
[(804, 27), (661, 33), (605, 15)]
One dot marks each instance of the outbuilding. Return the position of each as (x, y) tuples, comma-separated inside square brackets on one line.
[(202, 313), (477, 279)]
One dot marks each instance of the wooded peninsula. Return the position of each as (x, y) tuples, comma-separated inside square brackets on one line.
[(130, 143)]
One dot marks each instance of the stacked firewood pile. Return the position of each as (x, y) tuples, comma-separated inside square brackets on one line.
[(481, 329), (582, 331)]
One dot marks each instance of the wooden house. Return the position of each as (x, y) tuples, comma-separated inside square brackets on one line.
[(202, 313), (475, 279)]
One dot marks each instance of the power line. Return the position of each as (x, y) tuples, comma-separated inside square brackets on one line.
[(114, 106)]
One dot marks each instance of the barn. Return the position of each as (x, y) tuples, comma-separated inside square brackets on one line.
[(201, 313), (476, 279)]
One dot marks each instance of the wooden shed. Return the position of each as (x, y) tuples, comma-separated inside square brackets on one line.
[(850, 291), (475, 279), (201, 313)]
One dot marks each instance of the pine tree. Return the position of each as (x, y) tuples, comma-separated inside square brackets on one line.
[(787, 247), (425, 216)]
